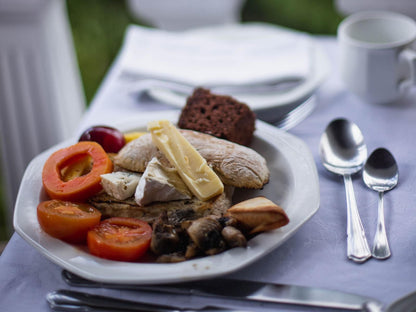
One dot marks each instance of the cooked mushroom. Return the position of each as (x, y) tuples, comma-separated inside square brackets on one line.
[(233, 237), (206, 234), (192, 251), (228, 221), (171, 258), (165, 238)]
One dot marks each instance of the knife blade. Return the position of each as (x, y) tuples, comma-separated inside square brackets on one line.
[(243, 290)]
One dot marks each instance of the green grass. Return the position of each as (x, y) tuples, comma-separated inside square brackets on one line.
[(315, 17), (98, 28)]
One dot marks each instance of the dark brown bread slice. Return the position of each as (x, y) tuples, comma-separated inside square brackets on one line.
[(219, 115)]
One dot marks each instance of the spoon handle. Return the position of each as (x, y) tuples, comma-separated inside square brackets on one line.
[(358, 249), (381, 249)]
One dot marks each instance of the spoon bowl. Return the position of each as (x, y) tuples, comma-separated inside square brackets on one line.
[(380, 171), (381, 174), (342, 147), (343, 152)]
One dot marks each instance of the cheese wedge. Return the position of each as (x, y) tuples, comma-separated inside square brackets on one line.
[(120, 185), (192, 167)]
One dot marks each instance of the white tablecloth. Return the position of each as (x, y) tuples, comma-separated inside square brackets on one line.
[(316, 254)]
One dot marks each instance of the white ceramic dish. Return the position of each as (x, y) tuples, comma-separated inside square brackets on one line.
[(294, 185), (267, 106)]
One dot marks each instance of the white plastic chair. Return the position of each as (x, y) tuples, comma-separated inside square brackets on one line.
[(41, 96)]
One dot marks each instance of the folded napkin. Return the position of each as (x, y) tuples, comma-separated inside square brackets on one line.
[(230, 54)]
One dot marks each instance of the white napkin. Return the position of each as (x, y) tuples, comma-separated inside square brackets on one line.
[(231, 54)]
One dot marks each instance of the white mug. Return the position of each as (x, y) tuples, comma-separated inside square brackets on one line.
[(377, 57)]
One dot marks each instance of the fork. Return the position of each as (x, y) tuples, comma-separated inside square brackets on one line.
[(296, 115)]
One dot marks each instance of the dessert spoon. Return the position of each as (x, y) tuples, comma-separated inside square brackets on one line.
[(381, 174), (343, 152)]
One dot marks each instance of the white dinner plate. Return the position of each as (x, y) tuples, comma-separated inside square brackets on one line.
[(268, 106), (293, 184)]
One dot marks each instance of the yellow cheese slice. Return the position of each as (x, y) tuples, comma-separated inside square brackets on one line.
[(192, 167)]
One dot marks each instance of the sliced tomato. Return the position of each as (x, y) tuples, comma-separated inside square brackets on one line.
[(66, 220), (121, 239), (77, 167), (81, 187)]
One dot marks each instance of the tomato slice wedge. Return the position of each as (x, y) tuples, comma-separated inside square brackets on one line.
[(82, 187), (67, 221), (120, 239)]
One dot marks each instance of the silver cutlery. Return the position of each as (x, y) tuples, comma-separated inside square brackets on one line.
[(343, 152), (242, 290), (297, 114), (69, 300), (381, 174)]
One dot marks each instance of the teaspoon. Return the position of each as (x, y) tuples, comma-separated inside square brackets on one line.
[(343, 152), (381, 174)]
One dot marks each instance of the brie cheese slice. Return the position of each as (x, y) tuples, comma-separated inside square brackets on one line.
[(159, 184)]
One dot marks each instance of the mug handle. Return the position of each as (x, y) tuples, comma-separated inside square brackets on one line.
[(408, 57)]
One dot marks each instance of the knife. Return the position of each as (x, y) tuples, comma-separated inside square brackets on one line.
[(69, 300), (243, 290)]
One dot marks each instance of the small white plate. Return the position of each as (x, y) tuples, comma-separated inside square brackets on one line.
[(293, 184)]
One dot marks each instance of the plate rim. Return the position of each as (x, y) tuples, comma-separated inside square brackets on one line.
[(201, 266)]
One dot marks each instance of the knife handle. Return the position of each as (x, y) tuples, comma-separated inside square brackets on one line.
[(77, 301)]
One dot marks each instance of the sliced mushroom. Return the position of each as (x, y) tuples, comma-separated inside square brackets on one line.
[(171, 258), (192, 251), (228, 221), (258, 215), (206, 234), (233, 237), (165, 238)]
